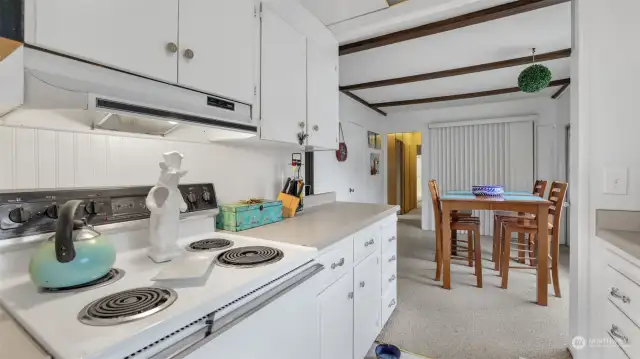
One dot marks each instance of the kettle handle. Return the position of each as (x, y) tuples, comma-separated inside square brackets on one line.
[(65, 250)]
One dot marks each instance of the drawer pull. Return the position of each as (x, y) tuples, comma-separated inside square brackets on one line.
[(339, 264), (615, 331), (615, 292), (392, 278), (392, 239), (393, 258), (369, 242), (393, 302), (350, 295), (362, 284)]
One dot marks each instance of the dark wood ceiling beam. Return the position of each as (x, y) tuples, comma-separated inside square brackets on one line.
[(463, 96), (560, 91), (364, 102), (473, 18), (555, 55)]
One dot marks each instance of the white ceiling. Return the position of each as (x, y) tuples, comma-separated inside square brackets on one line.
[(334, 11), (547, 29)]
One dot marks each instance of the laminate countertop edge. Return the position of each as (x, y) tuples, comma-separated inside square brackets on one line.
[(626, 241), (320, 227)]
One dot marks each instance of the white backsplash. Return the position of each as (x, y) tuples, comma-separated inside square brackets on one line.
[(32, 158)]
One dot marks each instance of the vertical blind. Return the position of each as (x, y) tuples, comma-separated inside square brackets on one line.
[(495, 153)]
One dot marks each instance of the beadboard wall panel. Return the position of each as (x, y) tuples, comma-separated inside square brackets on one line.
[(33, 158)]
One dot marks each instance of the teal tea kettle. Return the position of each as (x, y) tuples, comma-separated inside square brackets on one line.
[(76, 254)]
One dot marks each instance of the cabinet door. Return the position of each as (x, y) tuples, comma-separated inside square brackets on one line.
[(336, 320), (129, 35), (218, 47), (322, 94), (284, 79), (366, 322)]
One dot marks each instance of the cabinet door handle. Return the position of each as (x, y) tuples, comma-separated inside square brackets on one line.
[(393, 258), (172, 47), (369, 242), (316, 128), (188, 53), (615, 292), (392, 239), (393, 302), (392, 278), (350, 295), (616, 332), (361, 284), (339, 264)]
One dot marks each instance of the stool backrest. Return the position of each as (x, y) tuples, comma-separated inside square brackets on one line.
[(556, 197), (435, 199), (539, 188)]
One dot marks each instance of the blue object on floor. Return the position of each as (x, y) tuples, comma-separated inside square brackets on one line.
[(387, 351)]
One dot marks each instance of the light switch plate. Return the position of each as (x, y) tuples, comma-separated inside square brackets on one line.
[(615, 181)]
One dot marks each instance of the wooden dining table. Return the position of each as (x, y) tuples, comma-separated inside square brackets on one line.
[(521, 202)]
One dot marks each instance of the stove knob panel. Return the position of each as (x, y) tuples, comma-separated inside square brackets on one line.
[(94, 207), (52, 211), (19, 215)]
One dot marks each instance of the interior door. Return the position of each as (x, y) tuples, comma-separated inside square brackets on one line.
[(336, 319), (367, 304), (222, 37), (284, 79), (129, 35), (322, 95)]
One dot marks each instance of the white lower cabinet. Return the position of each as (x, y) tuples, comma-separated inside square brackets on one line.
[(336, 319), (353, 306), (366, 318)]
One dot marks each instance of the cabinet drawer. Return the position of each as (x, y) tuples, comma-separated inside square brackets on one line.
[(337, 262), (365, 242), (622, 330), (389, 260), (389, 237), (389, 279), (623, 266), (624, 293), (389, 304)]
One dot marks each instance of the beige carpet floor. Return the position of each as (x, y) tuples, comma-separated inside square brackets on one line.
[(467, 322)]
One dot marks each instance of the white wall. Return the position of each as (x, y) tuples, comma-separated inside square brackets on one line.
[(329, 174), (545, 110), (31, 158)]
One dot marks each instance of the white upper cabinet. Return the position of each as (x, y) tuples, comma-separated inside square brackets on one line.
[(283, 79), (135, 36), (218, 46), (322, 93)]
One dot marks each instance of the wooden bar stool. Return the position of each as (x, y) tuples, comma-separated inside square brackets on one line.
[(524, 225), (539, 189), (458, 223)]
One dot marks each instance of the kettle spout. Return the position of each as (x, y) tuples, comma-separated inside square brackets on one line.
[(65, 250)]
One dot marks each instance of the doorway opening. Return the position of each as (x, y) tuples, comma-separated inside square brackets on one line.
[(404, 172)]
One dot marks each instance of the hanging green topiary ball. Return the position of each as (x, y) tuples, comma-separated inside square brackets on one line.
[(534, 78)]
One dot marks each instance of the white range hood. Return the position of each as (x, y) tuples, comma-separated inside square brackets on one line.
[(84, 96)]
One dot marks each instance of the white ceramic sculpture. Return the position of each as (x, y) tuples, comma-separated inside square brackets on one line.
[(165, 203)]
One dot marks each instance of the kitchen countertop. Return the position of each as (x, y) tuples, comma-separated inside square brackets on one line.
[(628, 241), (15, 343), (324, 225)]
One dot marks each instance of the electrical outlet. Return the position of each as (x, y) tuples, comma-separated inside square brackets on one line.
[(615, 181)]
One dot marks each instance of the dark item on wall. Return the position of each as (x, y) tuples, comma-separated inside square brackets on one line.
[(11, 20), (374, 163), (341, 152), (308, 173)]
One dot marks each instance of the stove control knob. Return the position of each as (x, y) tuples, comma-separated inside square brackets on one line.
[(94, 207), (19, 215), (191, 197), (52, 211), (206, 196)]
